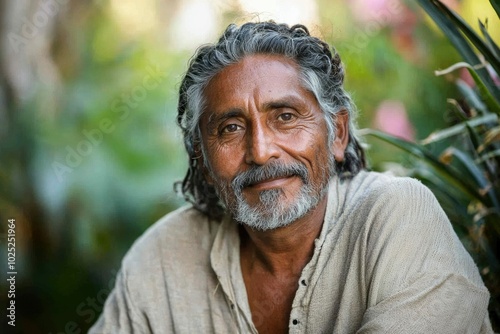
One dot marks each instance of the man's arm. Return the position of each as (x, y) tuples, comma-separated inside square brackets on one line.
[(119, 314), (448, 304), (422, 280)]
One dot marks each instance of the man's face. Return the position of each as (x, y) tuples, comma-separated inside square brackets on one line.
[(264, 141)]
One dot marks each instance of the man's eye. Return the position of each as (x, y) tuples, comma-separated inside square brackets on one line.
[(286, 117), (230, 128)]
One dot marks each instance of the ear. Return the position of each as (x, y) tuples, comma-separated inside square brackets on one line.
[(341, 135)]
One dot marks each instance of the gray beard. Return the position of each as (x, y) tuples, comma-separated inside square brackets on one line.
[(271, 212)]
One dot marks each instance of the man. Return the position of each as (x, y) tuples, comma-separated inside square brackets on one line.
[(287, 232)]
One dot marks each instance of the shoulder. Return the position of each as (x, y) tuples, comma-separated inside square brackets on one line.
[(388, 201), (369, 191), (160, 272), (401, 219), (404, 222), (374, 201), (374, 183), (183, 235)]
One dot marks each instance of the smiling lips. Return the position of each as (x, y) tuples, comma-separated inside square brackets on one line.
[(271, 183)]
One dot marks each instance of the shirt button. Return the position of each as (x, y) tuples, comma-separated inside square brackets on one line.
[(295, 321)]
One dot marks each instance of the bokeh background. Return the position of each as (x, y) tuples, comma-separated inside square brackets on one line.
[(89, 150)]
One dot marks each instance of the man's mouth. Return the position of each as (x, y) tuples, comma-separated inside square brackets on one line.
[(274, 182), (272, 176)]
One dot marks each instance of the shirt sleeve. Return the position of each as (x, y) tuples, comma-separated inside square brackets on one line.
[(421, 278), (119, 314)]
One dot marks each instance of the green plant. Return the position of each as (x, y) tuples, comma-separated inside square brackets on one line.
[(461, 163)]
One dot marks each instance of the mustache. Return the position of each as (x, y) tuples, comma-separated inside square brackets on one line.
[(271, 170)]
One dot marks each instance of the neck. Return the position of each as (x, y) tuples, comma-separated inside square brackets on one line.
[(285, 248)]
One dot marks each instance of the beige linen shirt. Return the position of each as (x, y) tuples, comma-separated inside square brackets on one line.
[(386, 261)]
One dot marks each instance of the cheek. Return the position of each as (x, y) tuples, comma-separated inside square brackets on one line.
[(319, 153), (224, 162)]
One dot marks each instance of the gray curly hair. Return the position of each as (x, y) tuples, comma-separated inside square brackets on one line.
[(321, 71)]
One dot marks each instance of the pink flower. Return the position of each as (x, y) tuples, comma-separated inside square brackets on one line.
[(452, 4), (383, 12), (467, 77), (391, 117)]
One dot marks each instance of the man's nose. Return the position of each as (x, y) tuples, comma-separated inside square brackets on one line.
[(261, 145)]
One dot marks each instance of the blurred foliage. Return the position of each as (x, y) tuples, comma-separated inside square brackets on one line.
[(89, 151), (464, 173)]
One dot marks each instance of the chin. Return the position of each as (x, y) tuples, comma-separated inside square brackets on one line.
[(274, 212), (266, 224)]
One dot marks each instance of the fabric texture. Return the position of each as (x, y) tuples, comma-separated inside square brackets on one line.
[(387, 261)]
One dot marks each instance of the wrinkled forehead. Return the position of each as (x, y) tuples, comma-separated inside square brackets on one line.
[(254, 74)]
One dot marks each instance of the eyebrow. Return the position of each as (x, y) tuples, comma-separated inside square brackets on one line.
[(213, 121), (285, 102)]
